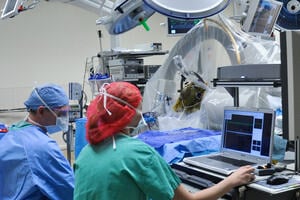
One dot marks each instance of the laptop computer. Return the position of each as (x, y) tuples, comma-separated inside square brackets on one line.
[(247, 139)]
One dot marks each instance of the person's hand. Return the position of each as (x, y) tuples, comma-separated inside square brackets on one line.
[(242, 176)]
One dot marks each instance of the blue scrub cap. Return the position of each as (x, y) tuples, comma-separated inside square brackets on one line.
[(53, 95)]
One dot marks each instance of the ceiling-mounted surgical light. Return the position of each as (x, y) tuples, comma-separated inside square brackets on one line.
[(191, 9), (126, 15)]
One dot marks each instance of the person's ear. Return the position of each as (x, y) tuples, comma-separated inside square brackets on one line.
[(41, 110)]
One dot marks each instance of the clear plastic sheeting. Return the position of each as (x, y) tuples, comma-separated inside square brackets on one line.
[(214, 42)]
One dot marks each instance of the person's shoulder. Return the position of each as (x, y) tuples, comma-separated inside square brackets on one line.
[(18, 125), (128, 139), (135, 144), (12, 141), (29, 137), (1, 135), (30, 133)]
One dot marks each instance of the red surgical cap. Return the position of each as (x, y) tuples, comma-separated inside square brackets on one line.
[(100, 124)]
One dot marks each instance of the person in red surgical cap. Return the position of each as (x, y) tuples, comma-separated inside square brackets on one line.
[(116, 166)]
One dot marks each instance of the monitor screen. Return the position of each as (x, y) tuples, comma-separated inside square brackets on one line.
[(179, 27), (248, 130), (261, 17), (10, 8)]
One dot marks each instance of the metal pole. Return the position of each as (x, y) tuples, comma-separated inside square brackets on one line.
[(297, 153), (69, 142)]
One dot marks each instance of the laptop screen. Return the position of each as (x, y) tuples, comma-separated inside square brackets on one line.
[(248, 130)]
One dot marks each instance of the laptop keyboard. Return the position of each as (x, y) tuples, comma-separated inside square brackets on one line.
[(232, 161)]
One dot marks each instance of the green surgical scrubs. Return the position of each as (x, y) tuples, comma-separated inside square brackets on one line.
[(19, 125), (133, 170)]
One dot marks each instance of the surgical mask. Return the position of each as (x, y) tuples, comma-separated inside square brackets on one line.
[(62, 122), (140, 128)]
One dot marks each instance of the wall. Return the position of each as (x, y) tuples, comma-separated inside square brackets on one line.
[(51, 43), (46, 44)]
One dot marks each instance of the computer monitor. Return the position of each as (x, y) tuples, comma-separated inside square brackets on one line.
[(261, 17), (290, 70), (180, 27), (10, 8)]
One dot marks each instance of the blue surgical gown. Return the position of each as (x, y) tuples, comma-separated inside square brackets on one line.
[(32, 167)]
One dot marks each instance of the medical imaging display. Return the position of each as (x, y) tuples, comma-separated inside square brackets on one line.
[(176, 26), (262, 16)]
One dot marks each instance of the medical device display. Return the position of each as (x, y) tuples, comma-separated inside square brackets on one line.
[(261, 17), (179, 27)]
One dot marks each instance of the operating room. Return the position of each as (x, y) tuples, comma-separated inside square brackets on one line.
[(189, 80)]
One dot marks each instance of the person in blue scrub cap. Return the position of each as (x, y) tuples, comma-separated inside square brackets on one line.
[(32, 165)]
